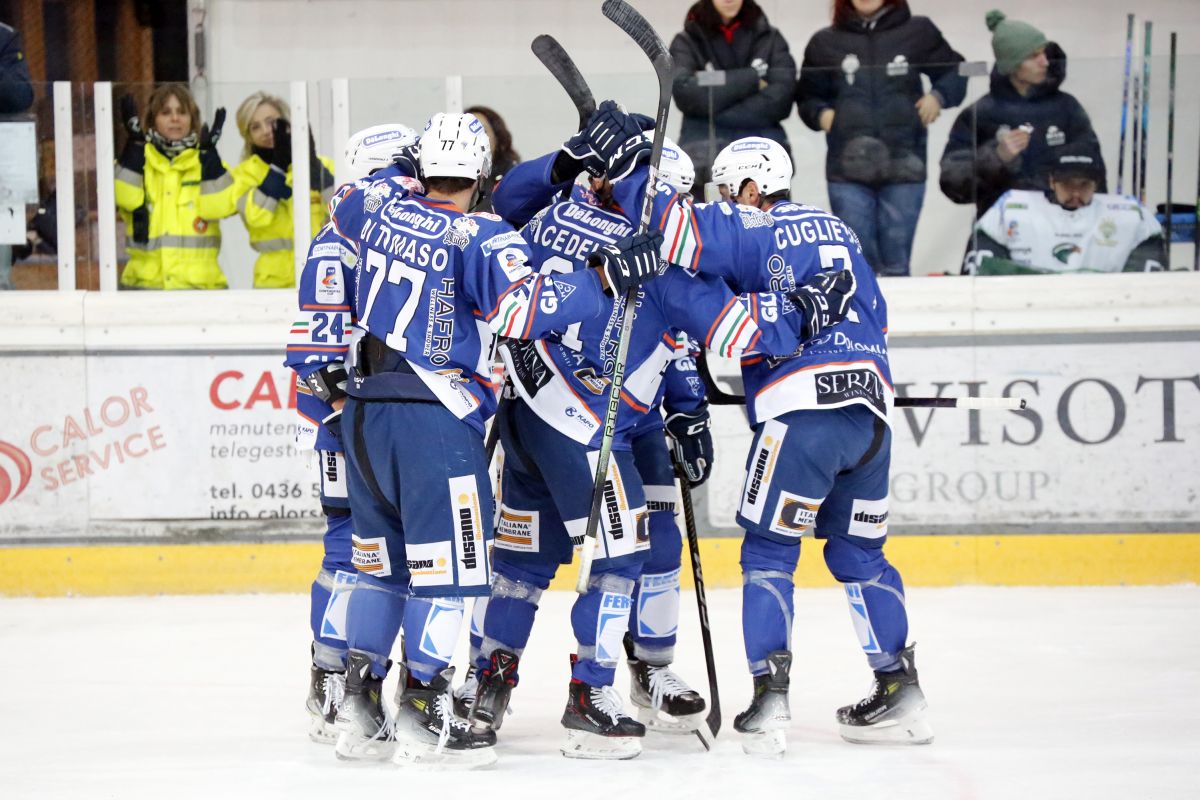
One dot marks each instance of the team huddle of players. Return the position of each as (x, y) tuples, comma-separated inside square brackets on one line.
[(405, 301)]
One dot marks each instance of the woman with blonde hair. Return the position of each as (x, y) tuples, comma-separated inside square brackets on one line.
[(264, 179), (171, 188)]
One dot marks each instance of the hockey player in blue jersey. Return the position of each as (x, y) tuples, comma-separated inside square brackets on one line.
[(316, 351), (553, 428), (664, 701), (433, 283), (820, 459)]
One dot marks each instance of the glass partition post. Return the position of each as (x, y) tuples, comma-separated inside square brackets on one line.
[(301, 201), (106, 207), (64, 184)]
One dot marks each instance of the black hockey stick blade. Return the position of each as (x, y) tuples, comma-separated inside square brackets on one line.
[(629, 20), (715, 394), (712, 722), (555, 59)]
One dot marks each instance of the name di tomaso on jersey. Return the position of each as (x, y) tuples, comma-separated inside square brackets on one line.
[(564, 378), (756, 251), (459, 278)]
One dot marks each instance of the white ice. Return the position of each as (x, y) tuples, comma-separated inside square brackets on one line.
[(1035, 693)]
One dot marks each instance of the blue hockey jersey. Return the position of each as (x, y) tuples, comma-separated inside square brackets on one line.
[(564, 378), (433, 284), (757, 251)]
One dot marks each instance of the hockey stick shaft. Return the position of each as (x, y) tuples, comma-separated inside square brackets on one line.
[(1137, 134), (1141, 193), (555, 59), (969, 403), (713, 720), (1170, 151), (630, 21), (1125, 101)]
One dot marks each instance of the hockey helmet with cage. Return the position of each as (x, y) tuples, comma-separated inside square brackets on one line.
[(755, 158), (374, 148), (676, 166), (455, 146)]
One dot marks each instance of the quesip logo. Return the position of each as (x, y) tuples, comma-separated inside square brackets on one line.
[(15, 471)]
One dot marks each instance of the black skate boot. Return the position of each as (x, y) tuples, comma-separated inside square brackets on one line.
[(665, 703), (597, 725), (496, 683), (326, 689), (428, 732), (464, 694), (363, 723), (765, 722), (894, 712)]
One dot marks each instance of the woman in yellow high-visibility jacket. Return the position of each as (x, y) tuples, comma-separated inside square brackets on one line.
[(171, 188), (264, 179)]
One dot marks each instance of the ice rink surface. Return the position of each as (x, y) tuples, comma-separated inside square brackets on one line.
[(1034, 693)]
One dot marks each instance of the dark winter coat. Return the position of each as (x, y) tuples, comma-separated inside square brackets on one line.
[(869, 73), (739, 107), (16, 88), (972, 171)]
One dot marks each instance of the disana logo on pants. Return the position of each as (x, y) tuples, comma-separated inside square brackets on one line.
[(22, 473)]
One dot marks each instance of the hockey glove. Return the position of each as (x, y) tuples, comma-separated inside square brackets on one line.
[(691, 440), (632, 152), (577, 155), (133, 157), (609, 128), (333, 423), (281, 152), (408, 160), (629, 262), (824, 300)]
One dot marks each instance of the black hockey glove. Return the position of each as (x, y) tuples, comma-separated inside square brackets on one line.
[(629, 262), (691, 439), (281, 152), (824, 300), (328, 384), (210, 160), (408, 159), (633, 152), (609, 128), (133, 157), (577, 155)]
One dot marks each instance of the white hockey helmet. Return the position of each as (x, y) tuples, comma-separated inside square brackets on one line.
[(455, 146), (755, 158), (676, 166), (374, 148)]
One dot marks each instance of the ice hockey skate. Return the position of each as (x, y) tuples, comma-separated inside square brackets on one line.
[(664, 702), (597, 725), (464, 693), (363, 723), (765, 722), (325, 692), (496, 682), (894, 712), (428, 732)]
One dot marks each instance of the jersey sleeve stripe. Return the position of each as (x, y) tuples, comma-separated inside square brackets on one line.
[(316, 349), (318, 307), (532, 311), (634, 404), (708, 340)]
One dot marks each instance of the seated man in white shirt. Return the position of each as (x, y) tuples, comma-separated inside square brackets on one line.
[(1069, 228)]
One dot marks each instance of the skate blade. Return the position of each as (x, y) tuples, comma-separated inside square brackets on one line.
[(322, 732), (581, 744), (913, 728), (661, 722), (351, 747), (421, 755), (765, 744)]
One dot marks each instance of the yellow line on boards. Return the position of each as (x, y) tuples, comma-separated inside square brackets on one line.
[(1009, 560)]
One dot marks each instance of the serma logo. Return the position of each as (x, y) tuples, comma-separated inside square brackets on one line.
[(13, 464)]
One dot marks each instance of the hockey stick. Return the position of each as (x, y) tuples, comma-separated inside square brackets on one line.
[(713, 720), (1125, 101), (1170, 150), (1141, 188), (1137, 135), (555, 59), (630, 21)]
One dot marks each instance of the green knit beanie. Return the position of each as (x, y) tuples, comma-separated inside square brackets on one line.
[(1012, 41)]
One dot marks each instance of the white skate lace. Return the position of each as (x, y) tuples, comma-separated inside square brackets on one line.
[(444, 707), (334, 687), (664, 682), (607, 701)]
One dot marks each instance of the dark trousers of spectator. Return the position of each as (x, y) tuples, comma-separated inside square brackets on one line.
[(884, 218)]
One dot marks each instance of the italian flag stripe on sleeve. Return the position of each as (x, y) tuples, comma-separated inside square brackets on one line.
[(679, 237), (735, 331)]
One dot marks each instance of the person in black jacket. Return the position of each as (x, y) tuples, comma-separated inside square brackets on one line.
[(1010, 137), (861, 84), (734, 77), (16, 88)]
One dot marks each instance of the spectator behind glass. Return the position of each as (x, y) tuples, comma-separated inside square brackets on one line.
[(861, 84), (264, 185), (1067, 228), (16, 95), (755, 92), (1009, 138), (504, 157), (171, 188)]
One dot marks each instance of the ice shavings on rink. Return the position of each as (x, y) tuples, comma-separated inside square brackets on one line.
[(1034, 693)]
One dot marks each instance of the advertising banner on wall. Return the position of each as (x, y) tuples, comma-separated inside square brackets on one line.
[(137, 443)]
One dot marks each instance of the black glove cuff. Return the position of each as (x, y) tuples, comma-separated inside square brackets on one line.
[(328, 384)]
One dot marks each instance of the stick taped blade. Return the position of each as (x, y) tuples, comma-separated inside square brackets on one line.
[(626, 17)]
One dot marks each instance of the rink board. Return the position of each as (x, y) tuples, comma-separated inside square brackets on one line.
[(1011, 560)]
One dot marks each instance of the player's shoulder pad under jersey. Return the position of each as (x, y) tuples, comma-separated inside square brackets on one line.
[(752, 217)]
